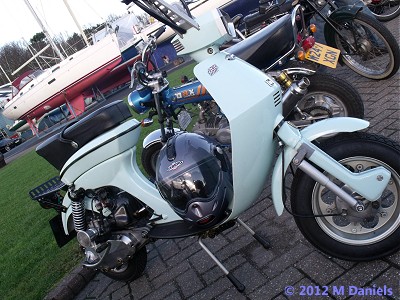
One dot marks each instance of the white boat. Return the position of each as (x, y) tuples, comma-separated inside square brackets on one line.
[(5, 94), (40, 92)]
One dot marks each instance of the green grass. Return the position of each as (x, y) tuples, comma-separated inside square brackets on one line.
[(30, 260)]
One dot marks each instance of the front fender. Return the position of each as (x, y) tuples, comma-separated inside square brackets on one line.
[(347, 12), (310, 133)]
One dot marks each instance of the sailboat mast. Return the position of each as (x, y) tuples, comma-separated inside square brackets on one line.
[(76, 22), (45, 31)]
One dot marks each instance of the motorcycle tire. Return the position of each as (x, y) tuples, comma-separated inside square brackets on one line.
[(329, 96), (131, 270), (379, 61), (356, 236), (149, 159), (384, 10)]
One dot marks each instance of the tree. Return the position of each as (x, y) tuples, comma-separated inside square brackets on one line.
[(38, 37)]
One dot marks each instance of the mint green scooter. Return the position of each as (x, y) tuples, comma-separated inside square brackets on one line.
[(344, 195)]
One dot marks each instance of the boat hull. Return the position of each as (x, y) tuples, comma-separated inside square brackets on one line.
[(65, 82)]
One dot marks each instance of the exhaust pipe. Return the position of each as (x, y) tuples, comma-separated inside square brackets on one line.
[(293, 95)]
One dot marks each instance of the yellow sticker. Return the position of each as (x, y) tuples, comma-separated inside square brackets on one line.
[(323, 55)]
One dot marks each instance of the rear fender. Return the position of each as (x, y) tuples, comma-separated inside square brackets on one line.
[(343, 12)]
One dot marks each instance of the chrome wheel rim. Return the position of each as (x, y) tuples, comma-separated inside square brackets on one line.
[(378, 222), (368, 61)]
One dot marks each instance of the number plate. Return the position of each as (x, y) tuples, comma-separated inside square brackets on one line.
[(323, 55)]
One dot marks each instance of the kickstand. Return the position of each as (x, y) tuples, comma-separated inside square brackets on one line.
[(238, 285), (259, 238)]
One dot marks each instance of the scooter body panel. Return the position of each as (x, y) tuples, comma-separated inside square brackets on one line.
[(122, 171), (154, 137), (252, 151), (100, 149)]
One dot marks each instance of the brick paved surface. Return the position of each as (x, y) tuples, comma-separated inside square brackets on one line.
[(179, 269)]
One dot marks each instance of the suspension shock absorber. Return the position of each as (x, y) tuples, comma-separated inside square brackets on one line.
[(78, 209)]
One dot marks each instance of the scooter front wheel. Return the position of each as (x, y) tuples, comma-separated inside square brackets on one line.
[(350, 235)]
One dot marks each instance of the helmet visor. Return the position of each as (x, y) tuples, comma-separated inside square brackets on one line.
[(199, 180)]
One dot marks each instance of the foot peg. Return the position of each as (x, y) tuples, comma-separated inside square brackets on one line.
[(238, 285), (258, 237)]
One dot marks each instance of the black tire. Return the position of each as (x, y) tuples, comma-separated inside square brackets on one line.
[(132, 270), (329, 96), (378, 233), (379, 61), (149, 159), (384, 10)]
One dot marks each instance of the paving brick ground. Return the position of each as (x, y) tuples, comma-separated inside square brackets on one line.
[(179, 269)]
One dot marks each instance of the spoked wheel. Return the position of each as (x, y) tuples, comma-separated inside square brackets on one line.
[(327, 97), (130, 270), (367, 47), (384, 10), (358, 236)]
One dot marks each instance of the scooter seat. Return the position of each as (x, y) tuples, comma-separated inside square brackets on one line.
[(265, 47), (60, 147), (264, 13)]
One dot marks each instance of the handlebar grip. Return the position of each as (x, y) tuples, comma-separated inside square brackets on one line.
[(159, 32)]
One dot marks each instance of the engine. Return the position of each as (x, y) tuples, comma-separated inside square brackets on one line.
[(212, 122), (114, 229)]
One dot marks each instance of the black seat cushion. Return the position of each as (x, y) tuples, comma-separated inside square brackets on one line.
[(266, 46), (60, 147)]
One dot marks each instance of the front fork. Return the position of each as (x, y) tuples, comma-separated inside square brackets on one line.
[(370, 184)]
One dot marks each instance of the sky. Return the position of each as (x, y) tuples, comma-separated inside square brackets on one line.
[(17, 22)]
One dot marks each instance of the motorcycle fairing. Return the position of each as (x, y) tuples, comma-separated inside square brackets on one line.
[(364, 183), (251, 108), (266, 47)]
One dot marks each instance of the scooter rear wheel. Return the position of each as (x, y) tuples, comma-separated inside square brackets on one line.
[(328, 97), (130, 270), (357, 236)]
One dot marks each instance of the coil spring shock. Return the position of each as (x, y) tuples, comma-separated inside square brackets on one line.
[(78, 208), (78, 215)]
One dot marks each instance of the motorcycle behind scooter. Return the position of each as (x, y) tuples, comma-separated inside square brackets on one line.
[(366, 46), (339, 194)]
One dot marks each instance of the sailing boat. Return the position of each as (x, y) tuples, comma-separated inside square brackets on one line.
[(37, 92)]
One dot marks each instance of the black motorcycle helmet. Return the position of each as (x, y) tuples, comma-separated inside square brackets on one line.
[(195, 178)]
